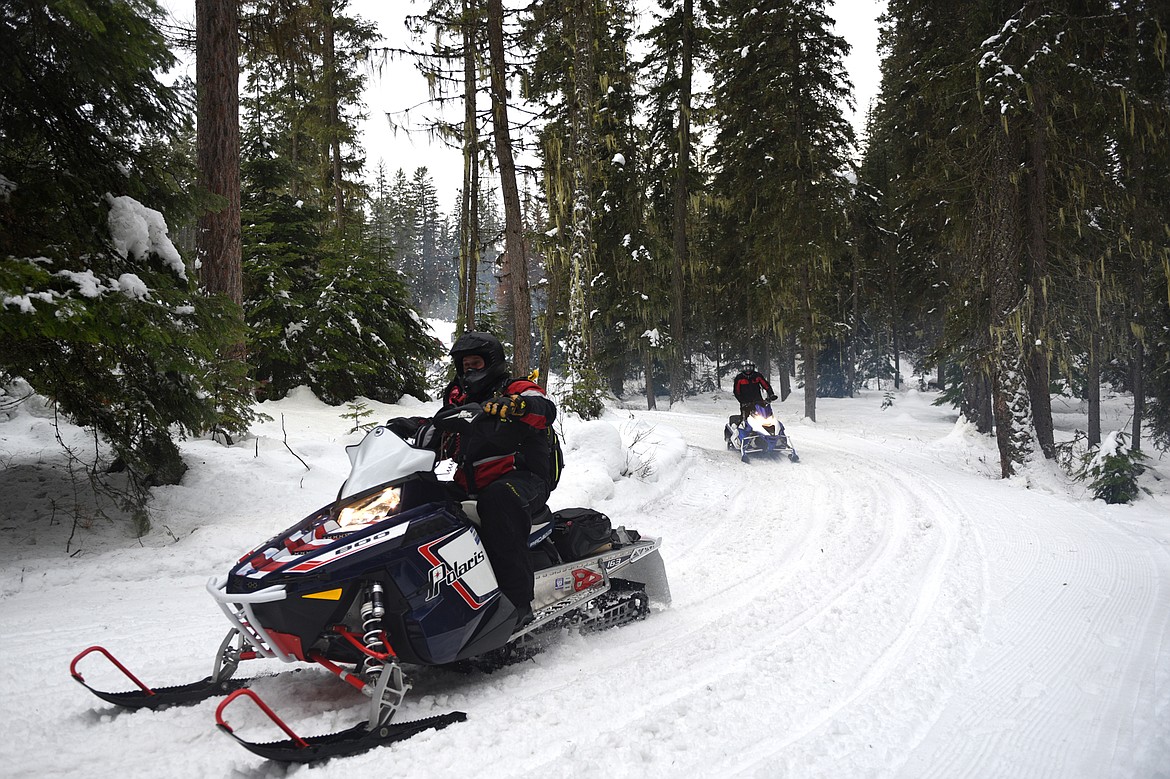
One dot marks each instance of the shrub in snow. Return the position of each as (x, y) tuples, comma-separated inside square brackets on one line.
[(1112, 470)]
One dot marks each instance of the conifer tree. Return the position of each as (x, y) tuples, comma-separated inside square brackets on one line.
[(100, 312), (341, 319), (454, 64), (673, 179), (781, 156)]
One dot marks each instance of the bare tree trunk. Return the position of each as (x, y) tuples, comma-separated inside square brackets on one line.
[(808, 345), (648, 370), (1094, 386), (897, 347), (515, 263), (787, 365), (1036, 190), (942, 363), (217, 72), (333, 130), (583, 145), (1002, 245), (681, 198), (855, 291), (469, 208), (808, 358), (1139, 392), (556, 283)]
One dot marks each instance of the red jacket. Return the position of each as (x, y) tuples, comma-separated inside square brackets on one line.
[(751, 387), (492, 447)]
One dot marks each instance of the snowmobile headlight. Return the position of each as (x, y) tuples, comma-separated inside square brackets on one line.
[(370, 509)]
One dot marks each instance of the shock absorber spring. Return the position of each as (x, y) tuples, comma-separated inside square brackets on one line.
[(373, 609)]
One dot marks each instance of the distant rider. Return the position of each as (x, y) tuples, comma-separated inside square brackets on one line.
[(751, 389), (502, 457)]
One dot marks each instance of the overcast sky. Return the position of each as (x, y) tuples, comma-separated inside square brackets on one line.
[(397, 87)]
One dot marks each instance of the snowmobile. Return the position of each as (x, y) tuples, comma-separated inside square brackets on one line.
[(760, 434), (393, 574)]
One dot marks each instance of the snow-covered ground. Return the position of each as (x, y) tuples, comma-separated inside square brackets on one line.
[(886, 607)]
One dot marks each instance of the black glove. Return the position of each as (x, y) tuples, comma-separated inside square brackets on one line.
[(506, 406), (404, 427), (771, 398)]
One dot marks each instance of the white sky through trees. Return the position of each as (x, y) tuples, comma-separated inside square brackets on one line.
[(397, 87)]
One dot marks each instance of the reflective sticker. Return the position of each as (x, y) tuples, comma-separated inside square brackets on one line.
[(325, 595), (583, 577)]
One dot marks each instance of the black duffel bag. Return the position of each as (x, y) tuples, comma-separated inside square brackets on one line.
[(581, 532)]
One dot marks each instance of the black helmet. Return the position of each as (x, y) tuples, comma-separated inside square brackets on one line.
[(748, 366), (478, 383)]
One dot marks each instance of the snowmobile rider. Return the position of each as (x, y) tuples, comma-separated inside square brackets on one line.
[(750, 389), (502, 456)]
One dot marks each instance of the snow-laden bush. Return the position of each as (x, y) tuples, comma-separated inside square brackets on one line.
[(1112, 470)]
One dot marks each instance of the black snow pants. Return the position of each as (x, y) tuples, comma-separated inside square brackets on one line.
[(506, 507)]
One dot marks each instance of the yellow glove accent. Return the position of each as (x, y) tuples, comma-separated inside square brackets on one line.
[(504, 407)]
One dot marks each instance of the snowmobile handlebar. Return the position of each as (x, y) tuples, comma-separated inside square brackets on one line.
[(458, 419)]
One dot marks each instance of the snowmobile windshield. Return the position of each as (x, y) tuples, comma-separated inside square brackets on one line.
[(382, 457)]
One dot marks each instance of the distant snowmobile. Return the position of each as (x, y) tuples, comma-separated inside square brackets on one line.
[(761, 434), (393, 573)]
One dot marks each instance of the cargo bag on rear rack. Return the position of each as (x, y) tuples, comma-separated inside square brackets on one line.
[(581, 532)]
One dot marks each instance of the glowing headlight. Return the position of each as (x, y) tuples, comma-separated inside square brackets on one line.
[(370, 509)]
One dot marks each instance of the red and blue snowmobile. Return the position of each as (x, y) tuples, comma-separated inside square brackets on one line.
[(760, 434), (393, 574)]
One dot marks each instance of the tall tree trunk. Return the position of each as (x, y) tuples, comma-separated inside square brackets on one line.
[(808, 344), (855, 295), (1137, 367), (896, 345), (515, 264), (583, 145), (975, 397), (1036, 272), (648, 371), (217, 73), (333, 121), (1093, 390), (808, 356), (681, 198), (1001, 241), (555, 292), (469, 207), (787, 365), (942, 362)]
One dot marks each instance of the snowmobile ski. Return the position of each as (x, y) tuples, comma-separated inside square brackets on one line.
[(344, 743), (219, 683)]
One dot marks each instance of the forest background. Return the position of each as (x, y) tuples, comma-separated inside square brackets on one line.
[(638, 212)]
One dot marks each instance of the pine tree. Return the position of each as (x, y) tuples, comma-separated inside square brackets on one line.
[(781, 155), (100, 312), (673, 179), (328, 308)]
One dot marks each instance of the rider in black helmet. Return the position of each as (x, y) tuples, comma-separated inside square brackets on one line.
[(484, 374), (751, 388), (502, 455)]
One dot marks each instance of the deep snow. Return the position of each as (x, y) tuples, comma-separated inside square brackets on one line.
[(886, 607)]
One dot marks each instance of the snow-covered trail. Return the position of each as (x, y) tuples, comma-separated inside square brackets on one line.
[(840, 595), (862, 616), (879, 609)]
